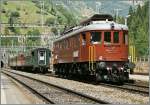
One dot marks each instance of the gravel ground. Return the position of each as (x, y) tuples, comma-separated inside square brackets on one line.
[(112, 95), (32, 97), (56, 95)]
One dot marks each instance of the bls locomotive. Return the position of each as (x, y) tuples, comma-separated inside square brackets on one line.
[(97, 47), (36, 60)]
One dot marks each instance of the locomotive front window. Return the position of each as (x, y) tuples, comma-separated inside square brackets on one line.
[(107, 37), (41, 54), (83, 38), (96, 37), (116, 37)]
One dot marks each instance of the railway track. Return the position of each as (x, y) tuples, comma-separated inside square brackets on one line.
[(140, 89), (51, 93), (131, 87), (141, 86), (144, 90)]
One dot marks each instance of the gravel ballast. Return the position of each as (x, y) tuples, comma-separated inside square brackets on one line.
[(110, 94)]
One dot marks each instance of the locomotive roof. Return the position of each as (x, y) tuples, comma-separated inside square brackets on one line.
[(96, 22), (28, 52), (98, 17), (38, 49), (95, 25)]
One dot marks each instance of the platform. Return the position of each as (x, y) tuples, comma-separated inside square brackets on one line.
[(139, 77), (11, 93)]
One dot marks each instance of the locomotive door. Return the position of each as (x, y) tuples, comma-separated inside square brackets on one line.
[(42, 57)]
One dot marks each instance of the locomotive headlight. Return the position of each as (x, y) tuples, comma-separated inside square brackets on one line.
[(108, 68), (121, 69), (129, 58), (100, 58), (56, 56)]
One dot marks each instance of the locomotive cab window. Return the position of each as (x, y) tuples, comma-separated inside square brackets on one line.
[(116, 37), (125, 38), (49, 54), (41, 53), (107, 37), (32, 53), (83, 39), (95, 37)]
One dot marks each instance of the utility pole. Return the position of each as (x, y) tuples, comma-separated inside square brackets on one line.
[(133, 2), (117, 13), (12, 44), (98, 7), (42, 13)]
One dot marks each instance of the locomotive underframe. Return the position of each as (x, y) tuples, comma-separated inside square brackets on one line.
[(112, 71), (31, 68)]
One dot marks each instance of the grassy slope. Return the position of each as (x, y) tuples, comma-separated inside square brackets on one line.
[(25, 7), (27, 10)]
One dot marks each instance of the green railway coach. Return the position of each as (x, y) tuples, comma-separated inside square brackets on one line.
[(35, 60)]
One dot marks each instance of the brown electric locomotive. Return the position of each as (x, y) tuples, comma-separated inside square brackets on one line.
[(97, 47)]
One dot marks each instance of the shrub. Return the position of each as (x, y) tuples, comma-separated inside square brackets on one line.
[(18, 8), (26, 13), (15, 14), (3, 10), (5, 2), (50, 21), (38, 12)]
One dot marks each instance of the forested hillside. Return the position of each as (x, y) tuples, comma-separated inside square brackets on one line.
[(31, 13), (138, 24), (70, 13)]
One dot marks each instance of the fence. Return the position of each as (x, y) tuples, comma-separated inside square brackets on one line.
[(142, 65)]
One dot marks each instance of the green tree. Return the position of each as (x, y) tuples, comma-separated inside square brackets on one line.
[(50, 21), (54, 30), (6, 31), (13, 18), (138, 24), (33, 40)]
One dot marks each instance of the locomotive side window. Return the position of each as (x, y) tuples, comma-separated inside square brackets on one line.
[(95, 37), (67, 43), (116, 37), (83, 39), (107, 37)]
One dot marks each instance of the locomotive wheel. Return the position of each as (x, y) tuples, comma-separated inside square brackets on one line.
[(34, 70), (41, 70), (98, 77), (44, 70)]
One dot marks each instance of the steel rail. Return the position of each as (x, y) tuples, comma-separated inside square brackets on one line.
[(65, 89), (126, 88), (48, 101), (141, 86)]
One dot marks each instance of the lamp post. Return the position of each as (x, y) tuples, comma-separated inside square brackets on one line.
[(126, 19)]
